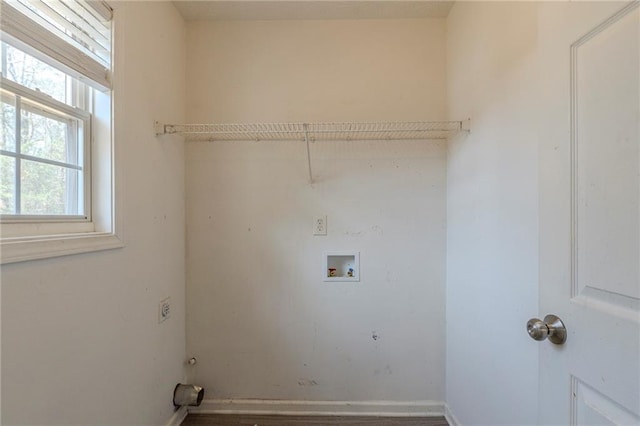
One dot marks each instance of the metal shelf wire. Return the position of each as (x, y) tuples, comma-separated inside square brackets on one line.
[(311, 132), (346, 131)]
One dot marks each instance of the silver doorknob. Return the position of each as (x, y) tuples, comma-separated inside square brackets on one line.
[(552, 327)]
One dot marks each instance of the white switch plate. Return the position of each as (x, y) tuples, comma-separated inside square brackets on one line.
[(320, 225), (164, 309)]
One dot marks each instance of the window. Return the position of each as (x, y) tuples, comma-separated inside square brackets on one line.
[(55, 140), (45, 135)]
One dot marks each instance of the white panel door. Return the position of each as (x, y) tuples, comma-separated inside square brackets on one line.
[(590, 212)]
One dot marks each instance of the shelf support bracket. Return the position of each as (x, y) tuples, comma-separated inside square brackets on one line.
[(306, 139), (159, 128), (164, 129), (465, 125)]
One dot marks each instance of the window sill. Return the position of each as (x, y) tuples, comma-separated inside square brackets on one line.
[(13, 250)]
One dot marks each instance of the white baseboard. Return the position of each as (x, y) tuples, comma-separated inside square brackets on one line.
[(178, 417), (450, 417), (321, 408)]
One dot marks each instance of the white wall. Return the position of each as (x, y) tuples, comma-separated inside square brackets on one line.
[(274, 71), (260, 320), (492, 208), (81, 343)]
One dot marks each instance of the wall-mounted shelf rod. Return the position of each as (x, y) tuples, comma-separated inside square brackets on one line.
[(383, 130), (311, 132)]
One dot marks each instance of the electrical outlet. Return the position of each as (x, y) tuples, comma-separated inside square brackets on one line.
[(320, 225), (164, 309)]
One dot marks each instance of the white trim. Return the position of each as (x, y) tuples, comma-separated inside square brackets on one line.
[(321, 408), (35, 228), (178, 417), (24, 249), (450, 417)]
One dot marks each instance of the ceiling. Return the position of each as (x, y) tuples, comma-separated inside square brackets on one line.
[(311, 9)]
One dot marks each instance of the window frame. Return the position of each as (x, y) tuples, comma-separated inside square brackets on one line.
[(61, 112), (27, 240)]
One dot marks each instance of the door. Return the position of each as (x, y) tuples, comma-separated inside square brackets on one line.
[(590, 211)]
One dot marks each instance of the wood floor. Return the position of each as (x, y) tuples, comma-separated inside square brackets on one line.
[(253, 420)]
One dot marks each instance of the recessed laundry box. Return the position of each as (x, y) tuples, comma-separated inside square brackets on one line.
[(341, 266)]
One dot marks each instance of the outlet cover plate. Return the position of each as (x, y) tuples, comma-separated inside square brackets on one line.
[(164, 309), (320, 225)]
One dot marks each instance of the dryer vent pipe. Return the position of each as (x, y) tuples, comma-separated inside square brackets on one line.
[(187, 395)]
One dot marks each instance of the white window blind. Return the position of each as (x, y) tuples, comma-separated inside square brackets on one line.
[(75, 34)]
